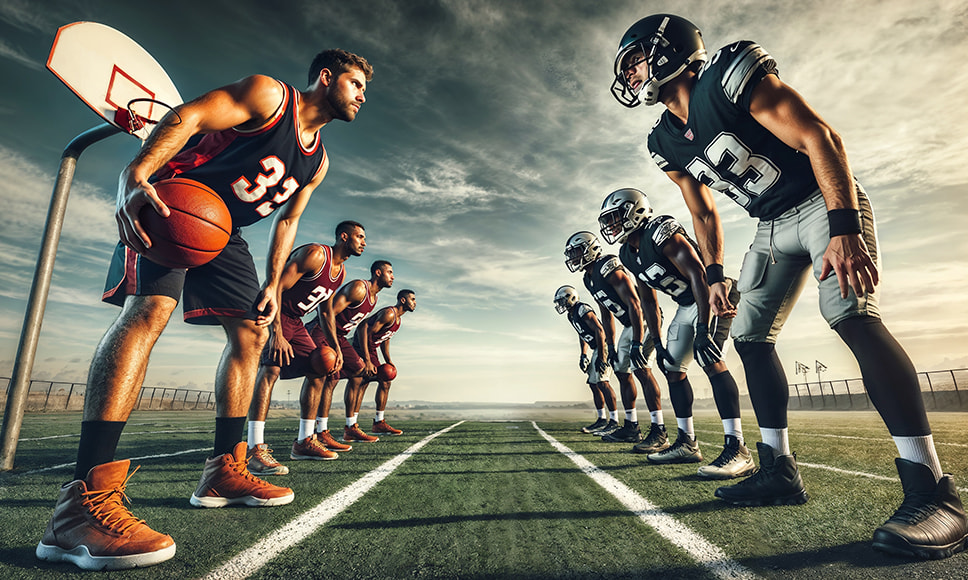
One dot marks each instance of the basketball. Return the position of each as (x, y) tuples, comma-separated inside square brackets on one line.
[(196, 230), (323, 360), (386, 372)]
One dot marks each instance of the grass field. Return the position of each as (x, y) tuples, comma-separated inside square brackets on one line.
[(491, 499)]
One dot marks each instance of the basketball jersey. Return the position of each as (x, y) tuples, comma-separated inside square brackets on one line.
[(586, 332), (651, 266), (723, 147), (596, 281), (313, 288), (254, 172), (351, 316), (386, 332)]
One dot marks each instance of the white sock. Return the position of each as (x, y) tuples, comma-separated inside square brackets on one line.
[(734, 427), (920, 450), (685, 423), (379, 416), (601, 413), (350, 421), (632, 415), (613, 415), (322, 424), (257, 431), (778, 439), (657, 417), (305, 429)]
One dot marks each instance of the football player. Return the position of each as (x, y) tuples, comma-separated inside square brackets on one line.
[(732, 125), (661, 256), (613, 290), (591, 337)]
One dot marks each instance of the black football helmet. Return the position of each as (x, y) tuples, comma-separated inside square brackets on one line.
[(669, 45)]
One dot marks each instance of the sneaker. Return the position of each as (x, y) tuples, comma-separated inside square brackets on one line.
[(930, 523), (354, 433), (261, 462), (330, 442), (92, 529), (608, 429), (629, 433), (684, 450), (776, 483), (599, 424), (311, 449), (383, 427), (654, 442), (226, 481), (734, 461)]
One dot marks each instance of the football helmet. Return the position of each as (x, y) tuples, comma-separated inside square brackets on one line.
[(623, 212), (582, 249), (565, 298), (668, 43)]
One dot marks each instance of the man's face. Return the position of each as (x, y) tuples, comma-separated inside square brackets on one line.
[(356, 241), (345, 94), (635, 68), (386, 277), (410, 302)]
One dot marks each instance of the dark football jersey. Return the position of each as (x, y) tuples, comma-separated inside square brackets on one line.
[(307, 293), (254, 172), (351, 316), (604, 293), (651, 266), (723, 147), (586, 332)]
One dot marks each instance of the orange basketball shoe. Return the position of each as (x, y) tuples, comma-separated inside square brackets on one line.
[(383, 427), (329, 442), (354, 433), (226, 481), (261, 462), (92, 528), (311, 449)]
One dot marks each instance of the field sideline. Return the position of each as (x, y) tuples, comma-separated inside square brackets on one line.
[(465, 498)]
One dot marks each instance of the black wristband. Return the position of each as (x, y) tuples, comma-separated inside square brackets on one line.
[(714, 274), (843, 221)]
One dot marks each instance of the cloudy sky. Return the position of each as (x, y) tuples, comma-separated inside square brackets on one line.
[(489, 136)]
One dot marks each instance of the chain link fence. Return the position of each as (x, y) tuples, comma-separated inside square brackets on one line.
[(940, 390), (51, 396)]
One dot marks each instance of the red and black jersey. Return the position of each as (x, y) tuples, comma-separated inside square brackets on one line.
[(254, 172), (312, 288), (351, 316)]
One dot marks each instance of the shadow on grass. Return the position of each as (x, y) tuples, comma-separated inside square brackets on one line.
[(514, 516)]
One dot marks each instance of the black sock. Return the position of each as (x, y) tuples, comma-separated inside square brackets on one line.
[(99, 442), (228, 432), (726, 395), (681, 395), (768, 387)]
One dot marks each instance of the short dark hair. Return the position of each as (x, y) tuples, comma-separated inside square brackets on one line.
[(403, 294), (347, 226), (378, 265), (338, 61)]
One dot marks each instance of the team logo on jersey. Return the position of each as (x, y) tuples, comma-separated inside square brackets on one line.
[(689, 134)]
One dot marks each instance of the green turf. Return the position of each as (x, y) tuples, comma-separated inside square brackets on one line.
[(491, 500)]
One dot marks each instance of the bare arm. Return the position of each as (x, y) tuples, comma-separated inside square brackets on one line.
[(683, 256), (626, 291)]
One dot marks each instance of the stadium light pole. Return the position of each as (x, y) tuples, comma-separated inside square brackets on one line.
[(37, 302)]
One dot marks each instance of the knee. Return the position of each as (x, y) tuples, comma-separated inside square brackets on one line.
[(247, 337), (753, 352)]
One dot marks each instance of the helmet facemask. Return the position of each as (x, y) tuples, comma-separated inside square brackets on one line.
[(565, 298), (581, 250)]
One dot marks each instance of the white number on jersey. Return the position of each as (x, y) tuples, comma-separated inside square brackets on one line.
[(754, 173)]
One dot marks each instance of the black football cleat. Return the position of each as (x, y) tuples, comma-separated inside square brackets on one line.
[(599, 424), (657, 440), (930, 523), (776, 483), (629, 433)]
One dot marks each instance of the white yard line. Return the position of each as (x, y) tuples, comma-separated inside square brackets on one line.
[(168, 432), (251, 560), (160, 456), (708, 555)]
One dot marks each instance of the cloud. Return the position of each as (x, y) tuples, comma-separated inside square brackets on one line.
[(17, 55)]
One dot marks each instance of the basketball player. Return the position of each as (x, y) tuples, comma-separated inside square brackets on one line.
[(256, 143), (312, 275)]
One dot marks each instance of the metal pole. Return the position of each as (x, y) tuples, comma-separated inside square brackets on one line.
[(37, 302)]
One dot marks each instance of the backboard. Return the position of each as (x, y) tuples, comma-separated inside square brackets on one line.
[(108, 71)]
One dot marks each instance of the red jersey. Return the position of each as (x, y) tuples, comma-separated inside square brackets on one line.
[(387, 331), (312, 288), (349, 318)]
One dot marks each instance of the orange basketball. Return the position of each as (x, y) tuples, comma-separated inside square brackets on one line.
[(197, 229), (323, 360), (386, 372)]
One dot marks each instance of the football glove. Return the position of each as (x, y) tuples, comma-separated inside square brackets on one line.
[(583, 362), (638, 357), (601, 365), (704, 348), (662, 356)]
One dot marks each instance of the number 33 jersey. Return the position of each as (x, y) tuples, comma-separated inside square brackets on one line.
[(723, 147), (254, 172)]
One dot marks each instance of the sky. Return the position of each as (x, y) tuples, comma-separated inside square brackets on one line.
[(489, 136)]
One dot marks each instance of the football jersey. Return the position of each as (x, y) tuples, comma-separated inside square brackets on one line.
[(254, 172), (596, 281), (351, 316), (651, 266), (586, 332), (313, 288), (723, 147)]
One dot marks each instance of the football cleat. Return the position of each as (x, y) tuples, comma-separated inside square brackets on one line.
[(382, 427), (354, 433), (776, 483), (311, 449), (261, 462), (734, 461), (656, 441), (608, 429), (629, 433), (930, 523), (226, 481), (92, 528), (599, 424), (330, 442), (684, 450)]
